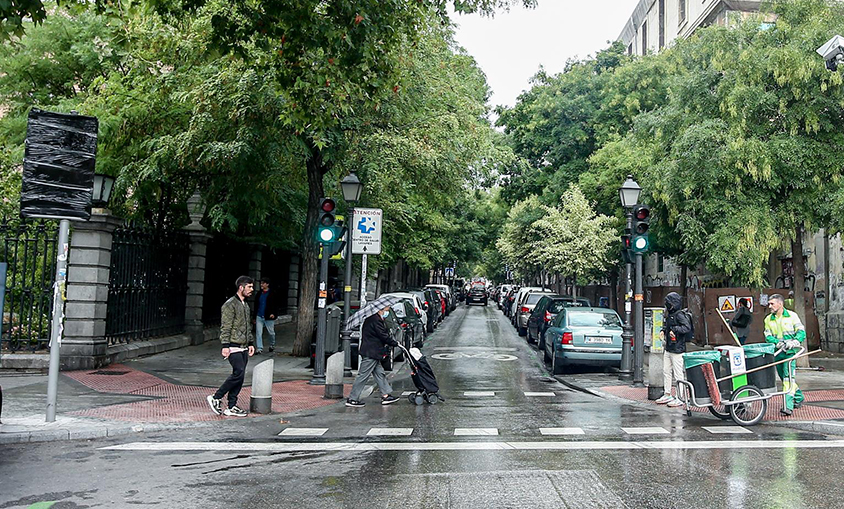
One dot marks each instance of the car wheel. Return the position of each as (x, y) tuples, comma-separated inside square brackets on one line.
[(557, 367), (545, 356), (522, 331), (541, 341), (430, 327)]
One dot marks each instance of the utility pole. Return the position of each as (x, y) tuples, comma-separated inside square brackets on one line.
[(639, 330), (57, 326), (626, 371)]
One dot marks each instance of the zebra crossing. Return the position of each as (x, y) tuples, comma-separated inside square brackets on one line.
[(550, 431)]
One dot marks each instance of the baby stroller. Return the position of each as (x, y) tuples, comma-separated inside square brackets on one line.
[(423, 378)]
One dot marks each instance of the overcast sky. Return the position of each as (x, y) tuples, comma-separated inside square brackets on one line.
[(511, 46)]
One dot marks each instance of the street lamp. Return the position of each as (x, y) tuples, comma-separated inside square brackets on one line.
[(352, 188), (103, 184), (629, 194)]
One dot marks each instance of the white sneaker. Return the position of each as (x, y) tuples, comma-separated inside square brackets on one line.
[(665, 398), (675, 403)]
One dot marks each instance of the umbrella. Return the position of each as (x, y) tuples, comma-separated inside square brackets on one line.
[(370, 309)]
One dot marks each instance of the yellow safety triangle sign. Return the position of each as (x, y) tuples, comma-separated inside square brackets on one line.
[(727, 306)]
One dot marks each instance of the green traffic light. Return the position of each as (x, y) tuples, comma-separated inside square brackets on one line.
[(326, 234), (640, 244)]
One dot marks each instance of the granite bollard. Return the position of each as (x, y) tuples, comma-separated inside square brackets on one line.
[(261, 401), (334, 376)]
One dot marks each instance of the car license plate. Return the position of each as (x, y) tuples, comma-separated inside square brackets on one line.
[(600, 340)]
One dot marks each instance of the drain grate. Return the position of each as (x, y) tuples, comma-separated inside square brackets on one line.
[(111, 373)]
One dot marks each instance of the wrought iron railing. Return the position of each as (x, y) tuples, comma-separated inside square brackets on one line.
[(148, 284), (29, 249)]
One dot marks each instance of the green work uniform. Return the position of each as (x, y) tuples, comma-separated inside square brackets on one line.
[(784, 328)]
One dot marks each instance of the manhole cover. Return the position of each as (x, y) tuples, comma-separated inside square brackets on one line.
[(101, 372)]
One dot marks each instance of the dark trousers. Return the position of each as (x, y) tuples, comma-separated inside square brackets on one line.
[(234, 382)]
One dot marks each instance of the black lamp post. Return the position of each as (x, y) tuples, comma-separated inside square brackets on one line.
[(629, 195), (352, 188), (103, 184)]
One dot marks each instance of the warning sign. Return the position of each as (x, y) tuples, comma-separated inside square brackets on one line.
[(727, 303)]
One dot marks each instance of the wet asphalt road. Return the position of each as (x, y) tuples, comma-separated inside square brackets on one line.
[(476, 349)]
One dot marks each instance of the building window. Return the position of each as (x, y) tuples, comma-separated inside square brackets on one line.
[(661, 24), (630, 49), (681, 14), (660, 263), (645, 38)]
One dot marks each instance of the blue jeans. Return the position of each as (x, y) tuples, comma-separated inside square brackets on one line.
[(259, 332)]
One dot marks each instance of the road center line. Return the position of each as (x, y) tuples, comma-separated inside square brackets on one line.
[(229, 447)]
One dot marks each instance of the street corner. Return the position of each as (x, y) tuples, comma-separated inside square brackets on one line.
[(174, 403)]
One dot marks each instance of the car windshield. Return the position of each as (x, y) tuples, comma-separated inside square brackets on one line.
[(478, 287), (399, 310), (533, 298), (557, 306), (594, 319)]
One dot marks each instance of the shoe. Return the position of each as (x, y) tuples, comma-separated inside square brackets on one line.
[(355, 403), (665, 398), (234, 412), (386, 400), (215, 404), (785, 411), (272, 349), (260, 350), (675, 403), (797, 405)]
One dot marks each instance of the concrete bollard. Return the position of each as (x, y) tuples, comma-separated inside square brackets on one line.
[(334, 376), (261, 401), (655, 381)]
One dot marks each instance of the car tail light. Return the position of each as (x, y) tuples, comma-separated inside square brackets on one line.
[(525, 309), (548, 317), (417, 311), (426, 303), (568, 338), (404, 326)]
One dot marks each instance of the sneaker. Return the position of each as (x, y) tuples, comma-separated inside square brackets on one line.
[(386, 400), (665, 398), (272, 349), (785, 411), (355, 403), (797, 405), (234, 412), (260, 350), (215, 404), (675, 403)]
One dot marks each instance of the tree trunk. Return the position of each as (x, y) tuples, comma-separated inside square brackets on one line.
[(310, 257), (684, 289), (799, 283)]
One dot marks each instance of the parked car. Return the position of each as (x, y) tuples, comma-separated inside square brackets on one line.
[(477, 293), (500, 293), (431, 313), (525, 307), (397, 333), (451, 300), (517, 301), (542, 315), (587, 336), (417, 300), (507, 301), (443, 302), (410, 320)]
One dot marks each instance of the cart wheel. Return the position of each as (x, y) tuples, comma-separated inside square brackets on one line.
[(688, 413), (750, 413), (411, 398), (432, 399), (419, 398), (720, 412)]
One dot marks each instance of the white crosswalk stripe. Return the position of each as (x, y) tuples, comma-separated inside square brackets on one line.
[(540, 394), (390, 432), (479, 393), (726, 429), (477, 432), (562, 431), (646, 430), (303, 432)]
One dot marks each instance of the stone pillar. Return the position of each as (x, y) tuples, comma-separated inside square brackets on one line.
[(196, 285), (293, 286), (255, 264), (84, 344)]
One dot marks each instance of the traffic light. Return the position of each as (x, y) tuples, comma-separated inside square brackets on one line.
[(641, 224), (326, 231), (626, 246)]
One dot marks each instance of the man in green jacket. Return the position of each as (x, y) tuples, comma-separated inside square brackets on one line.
[(237, 340), (784, 329)]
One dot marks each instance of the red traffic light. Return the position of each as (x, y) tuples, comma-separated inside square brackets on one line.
[(642, 213), (626, 242), (328, 205)]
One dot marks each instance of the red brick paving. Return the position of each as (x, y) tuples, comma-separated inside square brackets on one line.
[(805, 413), (182, 403)]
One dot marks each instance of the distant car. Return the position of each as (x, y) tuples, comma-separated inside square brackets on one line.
[(585, 336), (410, 320), (517, 301), (502, 292), (417, 300), (507, 301), (431, 313), (451, 299), (525, 307), (477, 293)]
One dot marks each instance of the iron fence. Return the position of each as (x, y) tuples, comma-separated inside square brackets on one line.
[(29, 249), (148, 284)]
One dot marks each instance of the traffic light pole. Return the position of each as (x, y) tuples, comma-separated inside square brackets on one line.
[(319, 360), (639, 329), (626, 371)]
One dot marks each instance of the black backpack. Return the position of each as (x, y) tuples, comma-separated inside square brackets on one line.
[(691, 335)]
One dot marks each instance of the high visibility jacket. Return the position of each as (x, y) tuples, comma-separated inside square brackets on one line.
[(785, 327)]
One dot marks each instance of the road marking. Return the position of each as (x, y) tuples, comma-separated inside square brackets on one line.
[(541, 394), (726, 429), (303, 432), (390, 432), (476, 432), (654, 430), (562, 431), (475, 348), (479, 393), (450, 356), (408, 393), (228, 447)]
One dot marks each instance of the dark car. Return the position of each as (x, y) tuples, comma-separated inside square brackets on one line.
[(431, 313), (411, 322), (542, 316), (477, 293)]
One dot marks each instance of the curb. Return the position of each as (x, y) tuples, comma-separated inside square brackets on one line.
[(54, 435)]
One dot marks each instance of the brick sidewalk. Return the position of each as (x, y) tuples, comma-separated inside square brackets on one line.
[(181, 403), (805, 413)]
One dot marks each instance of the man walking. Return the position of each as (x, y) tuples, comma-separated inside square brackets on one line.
[(676, 330), (374, 343), (784, 328), (742, 320), (236, 338), (266, 309)]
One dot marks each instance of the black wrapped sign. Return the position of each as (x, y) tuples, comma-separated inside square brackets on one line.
[(58, 165)]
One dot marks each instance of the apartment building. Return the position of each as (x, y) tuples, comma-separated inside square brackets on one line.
[(654, 24)]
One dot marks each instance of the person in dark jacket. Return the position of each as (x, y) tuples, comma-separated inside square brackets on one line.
[(374, 347), (266, 309), (676, 330), (742, 320)]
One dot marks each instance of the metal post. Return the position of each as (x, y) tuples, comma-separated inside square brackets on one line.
[(346, 335), (57, 325), (363, 281), (626, 371), (639, 325), (319, 360)]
